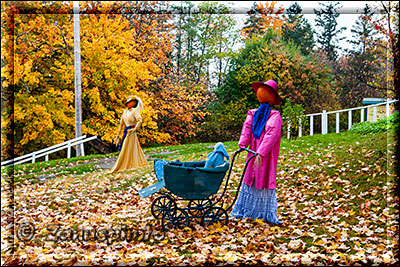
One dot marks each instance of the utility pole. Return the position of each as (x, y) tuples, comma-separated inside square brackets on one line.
[(78, 84)]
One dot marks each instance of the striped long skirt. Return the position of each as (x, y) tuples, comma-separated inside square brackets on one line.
[(256, 204)]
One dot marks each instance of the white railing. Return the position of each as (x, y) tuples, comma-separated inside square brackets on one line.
[(79, 141), (324, 117)]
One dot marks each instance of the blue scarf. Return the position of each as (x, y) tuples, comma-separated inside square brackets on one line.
[(260, 118)]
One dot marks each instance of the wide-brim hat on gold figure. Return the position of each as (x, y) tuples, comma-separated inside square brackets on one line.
[(273, 88), (135, 98)]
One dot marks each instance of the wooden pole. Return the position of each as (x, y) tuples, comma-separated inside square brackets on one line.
[(78, 84)]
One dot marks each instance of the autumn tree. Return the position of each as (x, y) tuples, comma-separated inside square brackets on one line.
[(355, 79), (30, 57), (388, 25), (271, 15), (117, 61), (303, 80), (357, 69), (254, 23), (262, 17), (181, 109)]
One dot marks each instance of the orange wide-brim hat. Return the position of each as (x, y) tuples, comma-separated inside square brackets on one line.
[(273, 86)]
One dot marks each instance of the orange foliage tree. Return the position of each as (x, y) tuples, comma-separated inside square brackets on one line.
[(181, 106), (263, 16)]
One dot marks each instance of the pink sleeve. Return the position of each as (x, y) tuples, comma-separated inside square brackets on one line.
[(245, 136), (272, 135)]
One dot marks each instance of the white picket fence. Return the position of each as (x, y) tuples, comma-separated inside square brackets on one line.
[(324, 117), (31, 157)]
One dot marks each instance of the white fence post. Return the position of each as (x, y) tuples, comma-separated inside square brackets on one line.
[(33, 157), (337, 122), (288, 131), (311, 124), (324, 122), (82, 150), (69, 150), (350, 119), (300, 127), (46, 158), (374, 115), (387, 109), (362, 115)]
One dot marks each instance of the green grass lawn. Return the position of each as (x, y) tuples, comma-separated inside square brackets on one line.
[(336, 198)]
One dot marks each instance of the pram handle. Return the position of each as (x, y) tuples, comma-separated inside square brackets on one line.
[(237, 152), (248, 150)]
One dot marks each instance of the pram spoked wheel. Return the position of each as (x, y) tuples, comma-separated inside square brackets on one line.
[(195, 187), (198, 207), (176, 218), (162, 205), (214, 215)]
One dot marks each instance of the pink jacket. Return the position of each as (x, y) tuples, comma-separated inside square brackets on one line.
[(267, 146)]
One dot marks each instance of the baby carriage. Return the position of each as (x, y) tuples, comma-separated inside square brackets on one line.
[(194, 187)]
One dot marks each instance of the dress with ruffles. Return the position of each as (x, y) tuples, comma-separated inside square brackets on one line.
[(131, 155), (256, 204)]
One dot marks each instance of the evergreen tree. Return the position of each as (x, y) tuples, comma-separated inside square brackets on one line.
[(327, 20), (253, 24), (356, 73), (363, 31), (298, 30)]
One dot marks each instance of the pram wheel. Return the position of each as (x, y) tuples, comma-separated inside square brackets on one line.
[(198, 207), (162, 205), (176, 218), (214, 215)]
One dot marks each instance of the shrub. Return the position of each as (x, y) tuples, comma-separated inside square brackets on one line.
[(381, 125), (293, 113)]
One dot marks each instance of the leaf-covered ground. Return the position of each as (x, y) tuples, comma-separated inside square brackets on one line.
[(336, 198)]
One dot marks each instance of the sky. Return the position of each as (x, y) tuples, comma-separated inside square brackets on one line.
[(349, 13)]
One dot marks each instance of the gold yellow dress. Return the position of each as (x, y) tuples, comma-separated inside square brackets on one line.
[(131, 156)]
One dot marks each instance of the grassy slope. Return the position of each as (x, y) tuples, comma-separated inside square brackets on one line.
[(335, 196)]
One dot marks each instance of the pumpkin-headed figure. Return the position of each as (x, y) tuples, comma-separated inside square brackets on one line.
[(261, 132)]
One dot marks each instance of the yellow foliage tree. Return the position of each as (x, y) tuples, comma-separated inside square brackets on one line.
[(120, 56)]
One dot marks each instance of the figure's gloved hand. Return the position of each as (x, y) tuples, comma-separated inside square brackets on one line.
[(257, 161), (130, 131), (117, 141)]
